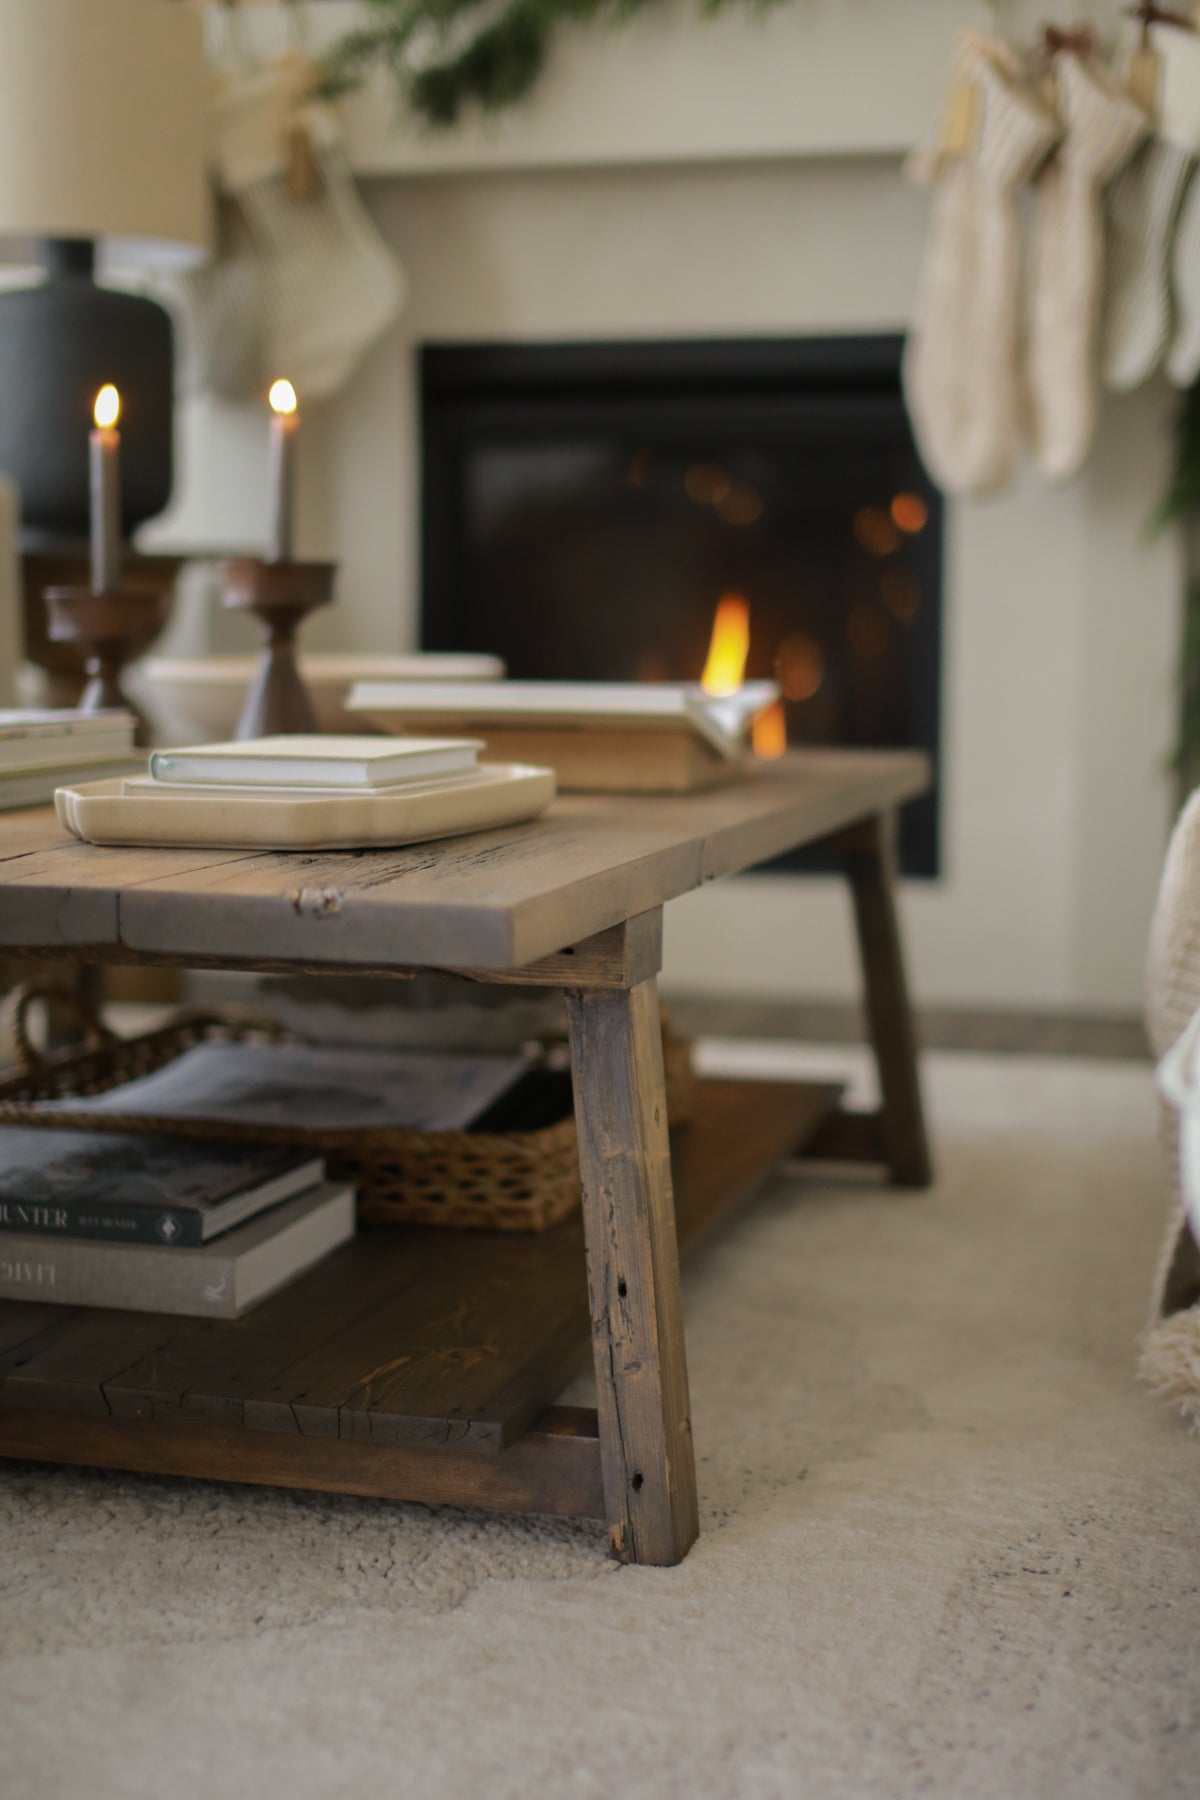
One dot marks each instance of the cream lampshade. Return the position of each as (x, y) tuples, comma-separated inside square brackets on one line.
[(103, 139), (103, 124)]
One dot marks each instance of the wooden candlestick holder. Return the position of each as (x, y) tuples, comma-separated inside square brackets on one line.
[(281, 595), (111, 630)]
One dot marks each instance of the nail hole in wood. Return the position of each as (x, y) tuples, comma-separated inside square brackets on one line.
[(637, 1482)]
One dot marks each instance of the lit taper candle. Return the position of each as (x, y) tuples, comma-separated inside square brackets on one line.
[(104, 470), (285, 423)]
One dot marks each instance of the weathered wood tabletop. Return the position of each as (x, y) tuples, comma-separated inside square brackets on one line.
[(494, 900)]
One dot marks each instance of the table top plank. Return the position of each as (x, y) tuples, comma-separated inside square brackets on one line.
[(497, 899)]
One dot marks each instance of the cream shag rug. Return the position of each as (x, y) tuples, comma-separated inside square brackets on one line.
[(949, 1546)]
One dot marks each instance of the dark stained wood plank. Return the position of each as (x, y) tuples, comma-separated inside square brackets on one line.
[(208, 1366), (715, 1171), (64, 1369), (21, 1320), (426, 1366), (425, 1337), (869, 858), (646, 1450), (852, 1137), (496, 900), (554, 1469)]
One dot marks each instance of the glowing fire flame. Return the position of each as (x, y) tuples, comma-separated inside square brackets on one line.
[(107, 409), (730, 646), (282, 397), (770, 732), (725, 671)]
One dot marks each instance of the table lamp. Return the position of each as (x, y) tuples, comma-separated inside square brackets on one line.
[(103, 139)]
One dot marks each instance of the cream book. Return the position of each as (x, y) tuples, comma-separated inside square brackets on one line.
[(315, 762), (33, 741), (219, 1280), (603, 736), (37, 787)]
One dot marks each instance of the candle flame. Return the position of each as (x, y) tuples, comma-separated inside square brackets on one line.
[(108, 406), (282, 397), (729, 648)]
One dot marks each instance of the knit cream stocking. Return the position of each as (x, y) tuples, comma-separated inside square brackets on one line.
[(1102, 129), (1181, 122), (1145, 203), (961, 368), (329, 284)]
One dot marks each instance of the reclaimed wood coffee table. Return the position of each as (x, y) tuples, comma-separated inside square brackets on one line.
[(424, 1364)]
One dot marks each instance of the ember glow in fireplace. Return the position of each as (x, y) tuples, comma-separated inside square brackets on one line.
[(712, 511)]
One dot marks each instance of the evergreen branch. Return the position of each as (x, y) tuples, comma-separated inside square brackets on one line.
[(493, 67)]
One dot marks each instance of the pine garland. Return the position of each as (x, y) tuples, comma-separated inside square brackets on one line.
[(445, 54)]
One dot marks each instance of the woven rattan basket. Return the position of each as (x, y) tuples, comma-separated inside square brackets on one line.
[(519, 1181)]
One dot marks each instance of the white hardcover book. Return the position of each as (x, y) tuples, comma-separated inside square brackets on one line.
[(315, 762), (32, 721), (25, 750), (218, 1280), (37, 787), (611, 705)]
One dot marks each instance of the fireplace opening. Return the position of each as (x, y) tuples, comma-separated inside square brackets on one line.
[(713, 511)]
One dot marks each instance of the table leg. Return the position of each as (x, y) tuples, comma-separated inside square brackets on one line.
[(868, 855), (633, 1273)]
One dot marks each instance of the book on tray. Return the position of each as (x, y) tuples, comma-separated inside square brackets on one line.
[(40, 750), (160, 1224), (307, 793), (356, 763), (624, 736)]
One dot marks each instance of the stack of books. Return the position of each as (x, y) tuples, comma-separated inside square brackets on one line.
[(160, 1224), (659, 737), (307, 793), (39, 751), (210, 1227)]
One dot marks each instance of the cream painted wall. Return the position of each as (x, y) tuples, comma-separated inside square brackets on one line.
[(1062, 621)]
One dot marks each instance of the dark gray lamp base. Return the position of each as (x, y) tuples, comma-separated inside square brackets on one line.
[(59, 343)]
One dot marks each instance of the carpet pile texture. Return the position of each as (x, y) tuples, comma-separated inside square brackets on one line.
[(949, 1546)]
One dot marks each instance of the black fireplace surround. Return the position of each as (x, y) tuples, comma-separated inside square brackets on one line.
[(586, 507)]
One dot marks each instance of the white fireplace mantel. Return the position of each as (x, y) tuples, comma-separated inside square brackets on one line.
[(812, 78)]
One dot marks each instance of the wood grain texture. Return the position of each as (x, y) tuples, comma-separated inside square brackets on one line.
[(493, 901), (21, 1320), (642, 1398), (64, 1369), (619, 957), (554, 1469)]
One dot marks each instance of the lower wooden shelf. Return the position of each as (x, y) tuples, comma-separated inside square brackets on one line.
[(412, 1364)]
